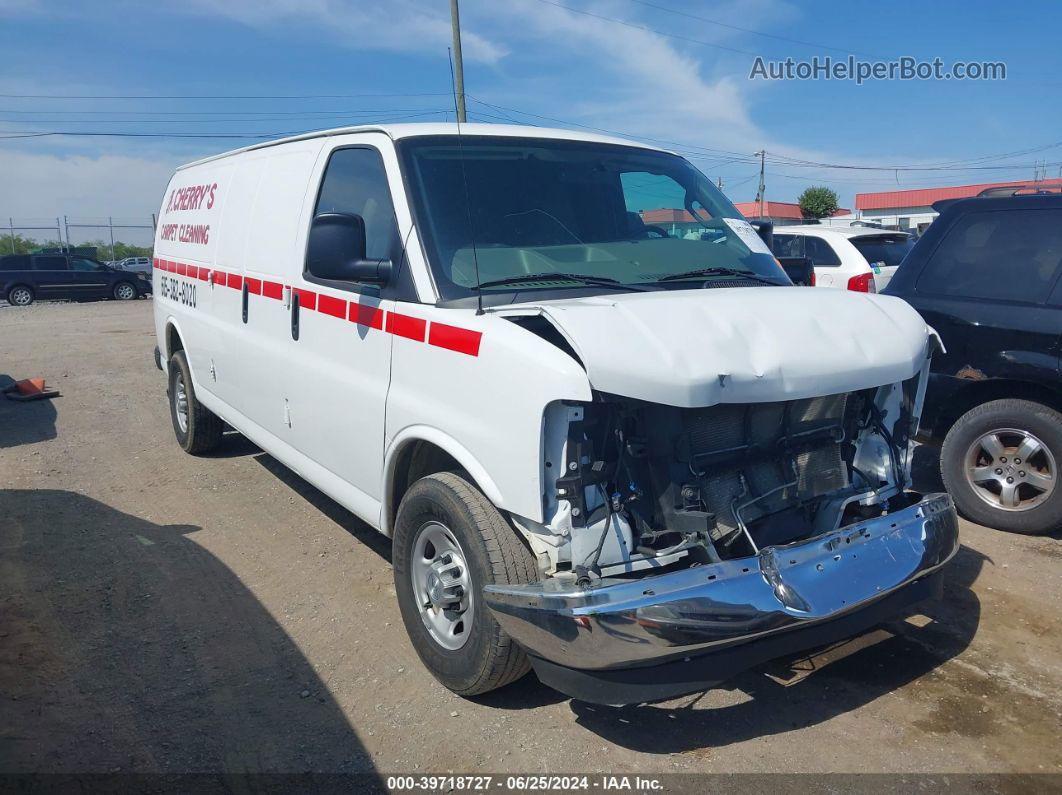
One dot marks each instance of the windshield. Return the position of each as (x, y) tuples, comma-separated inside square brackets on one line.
[(883, 250), (496, 211)]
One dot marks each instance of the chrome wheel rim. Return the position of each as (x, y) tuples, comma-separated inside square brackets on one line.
[(180, 404), (20, 296), (1011, 469), (125, 292), (442, 587)]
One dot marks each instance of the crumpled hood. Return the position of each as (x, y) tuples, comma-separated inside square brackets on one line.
[(694, 348)]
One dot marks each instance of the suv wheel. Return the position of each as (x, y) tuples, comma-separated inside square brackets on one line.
[(449, 542), (198, 430), (124, 291), (20, 296), (1000, 465)]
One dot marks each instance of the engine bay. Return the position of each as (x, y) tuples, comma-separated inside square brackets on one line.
[(633, 487)]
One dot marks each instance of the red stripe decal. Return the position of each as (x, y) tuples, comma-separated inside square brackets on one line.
[(366, 315), (307, 299), (218, 277), (204, 274), (455, 339), (193, 271), (336, 307), (235, 281), (273, 290), (254, 286), (182, 269), (406, 326)]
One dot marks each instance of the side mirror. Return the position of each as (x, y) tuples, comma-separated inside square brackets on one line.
[(336, 251), (765, 229), (799, 270)]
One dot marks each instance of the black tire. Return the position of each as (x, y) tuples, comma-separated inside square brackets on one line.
[(125, 291), (489, 658), (20, 295), (203, 429), (1023, 415)]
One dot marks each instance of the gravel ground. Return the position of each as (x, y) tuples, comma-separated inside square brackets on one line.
[(160, 612)]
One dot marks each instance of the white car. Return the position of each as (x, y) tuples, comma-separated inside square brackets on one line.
[(631, 461), (136, 264), (862, 259)]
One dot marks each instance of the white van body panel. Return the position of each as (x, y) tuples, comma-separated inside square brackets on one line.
[(366, 375)]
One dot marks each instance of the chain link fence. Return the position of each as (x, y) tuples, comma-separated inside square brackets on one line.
[(113, 237)]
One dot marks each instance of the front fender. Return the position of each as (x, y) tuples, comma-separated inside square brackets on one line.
[(445, 442)]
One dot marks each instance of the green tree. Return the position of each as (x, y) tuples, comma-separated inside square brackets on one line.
[(818, 202)]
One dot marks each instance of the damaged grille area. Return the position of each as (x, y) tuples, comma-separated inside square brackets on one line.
[(750, 461), (738, 476)]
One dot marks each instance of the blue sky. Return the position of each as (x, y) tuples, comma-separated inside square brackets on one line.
[(387, 59)]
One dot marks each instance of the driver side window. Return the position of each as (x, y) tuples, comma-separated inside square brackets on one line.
[(80, 264), (355, 182)]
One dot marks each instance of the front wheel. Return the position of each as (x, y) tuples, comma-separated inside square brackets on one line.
[(1000, 463), (124, 291), (449, 542)]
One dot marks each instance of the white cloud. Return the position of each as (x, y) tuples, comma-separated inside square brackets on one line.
[(410, 26), (39, 187)]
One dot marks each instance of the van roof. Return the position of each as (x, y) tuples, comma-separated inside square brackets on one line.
[(398, 131)]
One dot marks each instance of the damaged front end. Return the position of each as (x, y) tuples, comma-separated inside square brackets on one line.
[(683, 545)]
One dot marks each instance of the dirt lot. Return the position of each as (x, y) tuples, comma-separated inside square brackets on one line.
[(160, 612)]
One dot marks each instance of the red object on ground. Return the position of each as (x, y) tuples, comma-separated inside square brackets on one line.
[(29, 389), (30, 386)]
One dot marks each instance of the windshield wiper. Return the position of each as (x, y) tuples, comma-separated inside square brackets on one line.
[(674, 277), (596, 281)]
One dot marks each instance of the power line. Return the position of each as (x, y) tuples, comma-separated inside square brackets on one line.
[(216, 96), (325, 117), (748, 30), (648, 29), (119, 134), (306, 113)]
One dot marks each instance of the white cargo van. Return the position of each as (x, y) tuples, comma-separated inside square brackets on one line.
[(635, 462)]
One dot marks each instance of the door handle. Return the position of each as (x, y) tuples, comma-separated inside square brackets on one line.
[(245, 302), (294, 315)]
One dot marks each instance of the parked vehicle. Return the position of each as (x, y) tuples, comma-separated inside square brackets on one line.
[(633, 462), (25, 278), (986, 276), (862, 259), (136, 264)]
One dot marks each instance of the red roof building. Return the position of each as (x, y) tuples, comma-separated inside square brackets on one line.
[(913, 209), (779, 212)]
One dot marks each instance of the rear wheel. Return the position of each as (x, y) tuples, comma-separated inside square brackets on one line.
[(449, 542), (197, 429), (124, 291), (1000, 464), (20, 295)]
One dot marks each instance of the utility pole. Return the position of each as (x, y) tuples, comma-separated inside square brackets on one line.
[(459, 67), (763, 188)]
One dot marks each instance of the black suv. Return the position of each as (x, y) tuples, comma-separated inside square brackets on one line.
[(986, 276), (26, 277)]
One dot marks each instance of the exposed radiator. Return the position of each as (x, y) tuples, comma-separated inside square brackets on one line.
[(742, 452)]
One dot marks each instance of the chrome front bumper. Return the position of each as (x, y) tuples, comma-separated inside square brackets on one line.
[(623, 624)]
